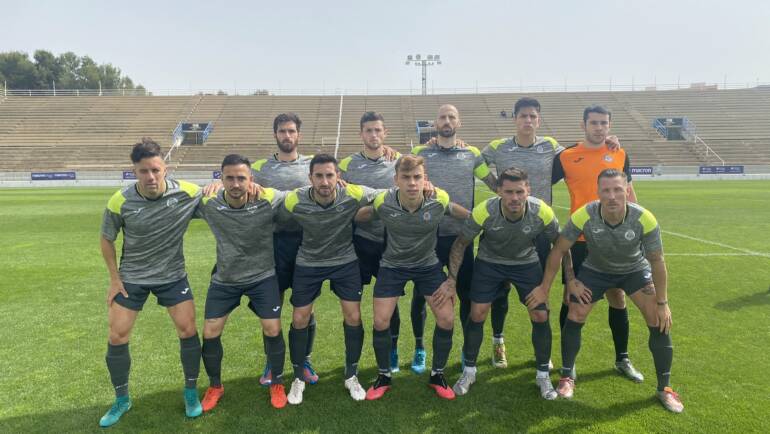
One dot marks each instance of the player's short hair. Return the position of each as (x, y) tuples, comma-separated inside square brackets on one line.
[(146, 148), (234, 160), (322, 159), (596, 108), (371, 117), (513, 174), (526, 102), (286, 117), (611, 173), (408, 163)]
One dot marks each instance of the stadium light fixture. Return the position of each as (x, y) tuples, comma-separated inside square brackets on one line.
[(424, 63)]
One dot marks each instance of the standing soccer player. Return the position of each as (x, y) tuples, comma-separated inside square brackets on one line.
[(510, 224), (453, 168), (245, 266), (371, 167), (534, 155), (624, 251), (325, 211), (411, 222), (153, 215), (579, 166)]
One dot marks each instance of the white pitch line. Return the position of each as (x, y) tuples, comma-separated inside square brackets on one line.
[(745, 252), (715, 243), (709, 254)]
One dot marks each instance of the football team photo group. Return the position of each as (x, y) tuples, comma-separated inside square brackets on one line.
[(370, 224)]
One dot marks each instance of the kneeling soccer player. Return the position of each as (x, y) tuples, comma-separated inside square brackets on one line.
[(624, 251), (245, 266), (411, 227)]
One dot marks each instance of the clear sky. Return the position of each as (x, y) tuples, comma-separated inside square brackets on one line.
[(333, 44)]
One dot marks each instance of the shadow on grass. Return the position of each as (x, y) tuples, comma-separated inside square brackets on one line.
[(759, 299), (504, 400)]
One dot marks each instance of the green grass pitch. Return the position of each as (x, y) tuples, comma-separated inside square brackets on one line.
[(54, 329)]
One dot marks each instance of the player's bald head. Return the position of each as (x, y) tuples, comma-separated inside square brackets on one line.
[(448, 108)]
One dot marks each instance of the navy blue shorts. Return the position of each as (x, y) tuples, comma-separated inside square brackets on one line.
[(599, 282), (264, 298), (391, 281), (285, 248), (169, 294), (345, 282), (488, 280), (369, 255)]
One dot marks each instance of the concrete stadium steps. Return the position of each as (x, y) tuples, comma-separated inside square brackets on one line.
[(66, 132)]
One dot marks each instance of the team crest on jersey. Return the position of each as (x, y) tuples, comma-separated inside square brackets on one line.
[(526, 229), (461, 156), (340, 208), (540, 149), (171, 202), (630, 234), (608, 158), (426, 216)]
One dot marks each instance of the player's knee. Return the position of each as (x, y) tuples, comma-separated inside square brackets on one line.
[(271, 328), (577, 312), (616, 298), (445, 319), (352, 317), (538, 315), (119, 337), (187, 330), (212, 328), (479, 312), (300, 318), (381, 322)]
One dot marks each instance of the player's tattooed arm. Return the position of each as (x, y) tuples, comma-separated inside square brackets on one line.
[(110, 259), (491, 181), (566, 266), (365, 214), (660, 282), (458, 211), (456, 254), (448, 289)]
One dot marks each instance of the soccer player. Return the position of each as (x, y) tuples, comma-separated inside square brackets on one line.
[(325, 211), (452, 168), (624, 251), (411, 222), (153, 215), (510, 224), (579, 166), (536, 155), (245, 266), (373, 169), (286, 170)]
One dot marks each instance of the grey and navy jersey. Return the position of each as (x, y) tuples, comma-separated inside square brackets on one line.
[(283, 175), (507, 242), (453, 170), (411, 236), (619, 249), (153, 231), (379, 173), (244, 237), (327, 232), (537, 160)]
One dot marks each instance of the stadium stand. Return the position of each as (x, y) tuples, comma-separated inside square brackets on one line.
[(95, 133)]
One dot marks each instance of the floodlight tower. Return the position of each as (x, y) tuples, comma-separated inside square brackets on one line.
[(424, 63)]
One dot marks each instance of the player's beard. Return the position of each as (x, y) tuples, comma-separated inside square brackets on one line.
[(286, 147), (447, 132)]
